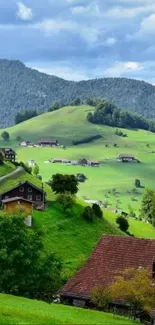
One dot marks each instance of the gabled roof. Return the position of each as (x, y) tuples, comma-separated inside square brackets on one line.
[(126, 155), (16, 198), (5, 150), (21, 184), (112, 255), (47, 141)]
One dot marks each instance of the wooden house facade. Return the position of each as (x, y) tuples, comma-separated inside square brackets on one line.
[(9, 154), (27, 191)]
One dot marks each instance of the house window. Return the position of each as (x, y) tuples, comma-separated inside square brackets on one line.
[(29, 197), (21, 189), (29, 189), (38, 197), (7, 156), (153, 270)]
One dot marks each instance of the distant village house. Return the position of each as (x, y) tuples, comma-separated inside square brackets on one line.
[(9, 154), (87, 162), (127, 158), (31, 163), (48, 143)]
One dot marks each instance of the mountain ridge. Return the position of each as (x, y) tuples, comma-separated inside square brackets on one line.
[(26, 88)]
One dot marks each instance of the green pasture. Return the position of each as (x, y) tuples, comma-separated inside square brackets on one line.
[(70, 123), (17, 311)]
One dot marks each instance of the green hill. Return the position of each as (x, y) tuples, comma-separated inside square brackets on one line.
[(15, 310), (24, 88), (70, 123)]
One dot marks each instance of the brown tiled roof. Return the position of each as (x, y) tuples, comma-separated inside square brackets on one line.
[(112, 255)]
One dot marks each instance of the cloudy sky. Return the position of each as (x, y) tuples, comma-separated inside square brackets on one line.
[(81, 39)]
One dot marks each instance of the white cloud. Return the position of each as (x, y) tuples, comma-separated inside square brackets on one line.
[(128, 12), (55, 26), (121, 68), (110, 41), (23, 12)]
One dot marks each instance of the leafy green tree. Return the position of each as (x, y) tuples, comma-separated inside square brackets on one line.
[(123, 223), (146, 206), (55, 105), (5, 135), (88, 213), (66, 201), (25, 268), (90, 102), (101, 297), (26, 115), (36, 170), (77, 101), (97, 210), (136, 289), (62, 184), (1, 158)]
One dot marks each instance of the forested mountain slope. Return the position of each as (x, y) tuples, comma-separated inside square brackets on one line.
[(24, 88)]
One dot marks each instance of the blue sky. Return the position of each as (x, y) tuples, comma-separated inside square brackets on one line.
[(81, 39)]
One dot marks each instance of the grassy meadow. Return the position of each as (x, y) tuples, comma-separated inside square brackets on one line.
[(68, 124), (15, 310)]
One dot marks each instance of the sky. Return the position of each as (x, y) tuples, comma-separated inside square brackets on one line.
[(81, 39)]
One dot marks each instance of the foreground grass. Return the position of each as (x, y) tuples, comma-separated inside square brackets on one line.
[(14, 310)]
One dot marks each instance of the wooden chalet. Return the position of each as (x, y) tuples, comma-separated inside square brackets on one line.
[(112, 255), (9, 154), (61, 161), (27, 191), (48, 143), (126, 158)]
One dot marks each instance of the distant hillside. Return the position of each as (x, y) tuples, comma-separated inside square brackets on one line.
[(23, 88)]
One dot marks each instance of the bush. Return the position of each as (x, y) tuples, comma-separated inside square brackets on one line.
[(86, 140), (123, 223), (88, 214), (101, 298), (97, 210), (39, 177), (137, 183), (66, 202)]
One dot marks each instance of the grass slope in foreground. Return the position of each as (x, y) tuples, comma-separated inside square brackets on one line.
[(15, 310)]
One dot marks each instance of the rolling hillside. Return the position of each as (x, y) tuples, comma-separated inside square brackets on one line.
[(15, 310), (68, 124), (24, 88)]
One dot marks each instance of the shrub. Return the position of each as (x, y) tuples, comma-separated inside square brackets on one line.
[(66, 202), (88, 214), (123, 223), (97, 210), (137, 183), (39, 177), (86, 140), (1, 158), (101, 298)]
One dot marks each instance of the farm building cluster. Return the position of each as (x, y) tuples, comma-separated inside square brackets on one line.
[(80, 162), (40, 143)]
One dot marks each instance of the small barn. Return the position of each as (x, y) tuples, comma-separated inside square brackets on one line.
[(47, 143), (127, 158)]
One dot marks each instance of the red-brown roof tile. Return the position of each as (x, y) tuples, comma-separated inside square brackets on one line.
[(112, 255)]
